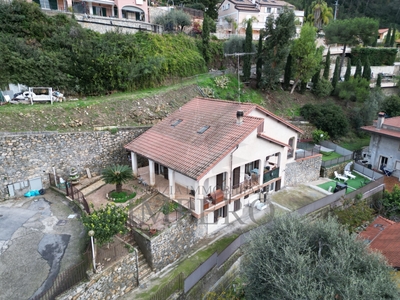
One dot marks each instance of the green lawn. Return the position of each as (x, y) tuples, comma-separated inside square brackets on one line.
[(352, 184), (328, 156)]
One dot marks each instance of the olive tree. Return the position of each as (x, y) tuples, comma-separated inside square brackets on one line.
[(299, 259)]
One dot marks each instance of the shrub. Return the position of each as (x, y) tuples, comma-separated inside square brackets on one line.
[(327, 117), (222, 81), (319, 136), (323, 88)]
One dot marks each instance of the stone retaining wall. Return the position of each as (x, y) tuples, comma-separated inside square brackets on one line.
[(111, 283), (303, 170), (26, 156), (172, 243), (330, 171)]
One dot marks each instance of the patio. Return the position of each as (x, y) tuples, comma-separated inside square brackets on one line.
[(182, 194)]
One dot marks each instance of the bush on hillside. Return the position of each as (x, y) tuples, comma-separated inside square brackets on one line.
[(326, 117)]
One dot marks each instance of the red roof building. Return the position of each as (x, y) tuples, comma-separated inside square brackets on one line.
[(216, 149), (383, 235)]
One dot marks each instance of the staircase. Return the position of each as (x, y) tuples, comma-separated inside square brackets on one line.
[(144, 269)]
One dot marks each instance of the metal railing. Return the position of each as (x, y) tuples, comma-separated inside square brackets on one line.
[(76, 195), (246, 185), (267, 176), (67, 279), (70, 191)]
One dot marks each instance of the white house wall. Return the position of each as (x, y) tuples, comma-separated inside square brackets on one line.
[(388, 147), (184, 180), (251, 149), (276, 130)]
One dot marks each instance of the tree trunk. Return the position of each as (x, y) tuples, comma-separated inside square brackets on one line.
[(294, 85), (118, 187)]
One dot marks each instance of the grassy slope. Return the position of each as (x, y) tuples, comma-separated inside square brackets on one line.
[(147, 107)]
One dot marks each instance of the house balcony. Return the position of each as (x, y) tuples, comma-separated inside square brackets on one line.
[(185, 196)]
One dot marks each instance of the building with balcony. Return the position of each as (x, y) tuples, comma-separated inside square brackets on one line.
[(136, 10), (233, 12), (214, 157)]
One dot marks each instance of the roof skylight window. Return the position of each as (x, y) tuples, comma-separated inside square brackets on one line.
[(203, 129), (176, 122)]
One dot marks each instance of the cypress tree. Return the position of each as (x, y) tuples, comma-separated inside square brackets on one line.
[(348, 70), (315, 78), (288, 72), (248, 43), (367, 71), (335, 77), (303, 87), (358, 69), (388, 36), (379, 80), (259, 59), (327, 64), (393, 38), (205, 36)]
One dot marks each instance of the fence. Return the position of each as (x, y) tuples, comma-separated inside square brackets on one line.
[(70, 190), (176, 284), (67, 279), (218, 259), (306, 149)]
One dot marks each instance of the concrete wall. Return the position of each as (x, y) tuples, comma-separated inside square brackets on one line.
[(24, 156), (111, 283), (172, 243), (303, 170)]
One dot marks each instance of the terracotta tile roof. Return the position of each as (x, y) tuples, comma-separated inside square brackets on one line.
[(393, 122), (384, 236), (269, 139), (383, 30), (186, 151), (390, 127), (373, 129)]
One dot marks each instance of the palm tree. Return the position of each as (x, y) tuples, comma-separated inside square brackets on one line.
[(321, 15), (117, 174)]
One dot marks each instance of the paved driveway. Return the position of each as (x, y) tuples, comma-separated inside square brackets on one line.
[(39, 237)]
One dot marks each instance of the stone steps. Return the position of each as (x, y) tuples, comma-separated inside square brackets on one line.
[(93, 187), (144, 269)]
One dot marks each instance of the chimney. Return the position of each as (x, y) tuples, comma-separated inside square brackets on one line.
[(239, 117), (381, 119)]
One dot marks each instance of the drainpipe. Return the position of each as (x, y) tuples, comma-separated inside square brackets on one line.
[(231, 170)]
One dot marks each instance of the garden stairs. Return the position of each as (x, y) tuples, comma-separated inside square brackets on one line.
[(88, 186), (145, 271)]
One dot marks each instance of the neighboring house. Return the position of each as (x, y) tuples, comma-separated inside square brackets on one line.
[(383, 235), (236, 12), (382, 33), (216, 156), (384, 145), (135, 10)]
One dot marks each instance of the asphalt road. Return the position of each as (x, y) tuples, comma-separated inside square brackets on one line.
[(39, 238)]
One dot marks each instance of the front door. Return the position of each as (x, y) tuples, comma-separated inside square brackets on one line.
[(165, 172), (383, 160), (236, 177), (220, 181)]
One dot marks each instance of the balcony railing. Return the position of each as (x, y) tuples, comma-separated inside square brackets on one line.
[(267, 176), (246, 185)]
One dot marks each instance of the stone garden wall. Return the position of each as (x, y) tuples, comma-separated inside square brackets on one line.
[(303, 170), (172, 243), (25, 156), (110, 283)]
